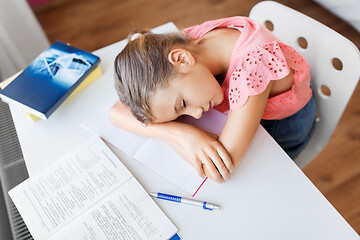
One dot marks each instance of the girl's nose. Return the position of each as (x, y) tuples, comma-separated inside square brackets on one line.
[(197, 112)]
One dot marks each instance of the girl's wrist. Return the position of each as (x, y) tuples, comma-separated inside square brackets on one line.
[(172, 131), (178, 131)]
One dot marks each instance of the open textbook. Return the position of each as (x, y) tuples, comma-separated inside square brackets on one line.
[(89, 194), (153, 153)]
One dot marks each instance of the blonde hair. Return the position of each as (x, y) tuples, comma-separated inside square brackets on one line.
[(143, 66)]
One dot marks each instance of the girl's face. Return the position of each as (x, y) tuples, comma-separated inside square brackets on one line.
[(190, 93)]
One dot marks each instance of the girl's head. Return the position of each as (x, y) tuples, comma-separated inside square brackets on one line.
[(157, 78)]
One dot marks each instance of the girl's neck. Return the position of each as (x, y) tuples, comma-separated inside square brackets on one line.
[(214, 49), (211, 57)]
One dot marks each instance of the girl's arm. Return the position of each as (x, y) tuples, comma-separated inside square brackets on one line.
[(242, 124), (201, 149)]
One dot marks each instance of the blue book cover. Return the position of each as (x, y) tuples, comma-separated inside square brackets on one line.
[(175, 237), (49, 79)]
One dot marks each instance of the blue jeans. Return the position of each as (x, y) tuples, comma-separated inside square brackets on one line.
[(293, 133)]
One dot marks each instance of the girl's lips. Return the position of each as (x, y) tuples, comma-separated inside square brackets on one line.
[(211, 105)]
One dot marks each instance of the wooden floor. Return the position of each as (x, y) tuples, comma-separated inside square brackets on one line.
[(92, 24)]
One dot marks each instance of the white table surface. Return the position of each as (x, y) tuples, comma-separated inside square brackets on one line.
[(268, 196)]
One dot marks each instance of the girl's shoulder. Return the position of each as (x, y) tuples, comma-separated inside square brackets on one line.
[(237, 22), (223, 36)]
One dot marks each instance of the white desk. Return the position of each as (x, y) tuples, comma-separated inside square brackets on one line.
[(268, 196)]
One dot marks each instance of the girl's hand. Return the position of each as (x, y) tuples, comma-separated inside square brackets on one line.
[(204, 152)]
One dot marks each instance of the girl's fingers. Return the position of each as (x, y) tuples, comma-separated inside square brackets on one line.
[(224, 155), (212, 172), (218, 162), (199, 168)]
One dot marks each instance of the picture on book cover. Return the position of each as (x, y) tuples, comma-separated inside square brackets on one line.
[(61, 67)]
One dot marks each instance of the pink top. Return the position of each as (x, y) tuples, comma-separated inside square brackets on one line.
[(258, 57)]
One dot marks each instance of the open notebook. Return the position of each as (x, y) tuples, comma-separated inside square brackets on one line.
[(153, 153)]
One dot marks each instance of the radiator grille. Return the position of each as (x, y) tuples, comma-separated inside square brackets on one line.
[(12, 170)]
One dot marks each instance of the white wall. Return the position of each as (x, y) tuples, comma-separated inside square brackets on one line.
[(348, 10), (21, 37)]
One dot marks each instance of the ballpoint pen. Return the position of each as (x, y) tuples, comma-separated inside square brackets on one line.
[(204, 205)]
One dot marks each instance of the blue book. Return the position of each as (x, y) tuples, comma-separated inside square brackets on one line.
[(175, 237), (49, 79)]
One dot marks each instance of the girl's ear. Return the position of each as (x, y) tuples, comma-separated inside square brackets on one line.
[(181, 57)]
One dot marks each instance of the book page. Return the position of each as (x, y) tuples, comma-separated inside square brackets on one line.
[(128, 213), (99, 124), (65, 189), (169, 165), (153, 153)]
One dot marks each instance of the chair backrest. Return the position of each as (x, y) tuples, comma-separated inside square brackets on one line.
[(334, 65)]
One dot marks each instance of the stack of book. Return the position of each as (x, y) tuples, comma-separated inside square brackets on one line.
[(56, 74)]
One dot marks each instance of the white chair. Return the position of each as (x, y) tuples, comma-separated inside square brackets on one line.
[(334, 65)]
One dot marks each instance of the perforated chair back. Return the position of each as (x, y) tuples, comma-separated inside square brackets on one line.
[(334, 65)]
